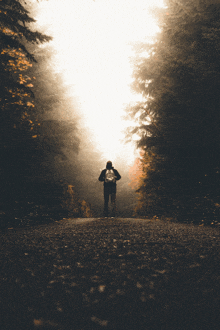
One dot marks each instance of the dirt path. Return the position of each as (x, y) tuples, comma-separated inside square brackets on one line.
[(110, 274)]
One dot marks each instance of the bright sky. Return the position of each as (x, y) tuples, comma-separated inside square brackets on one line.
[(92, 39)]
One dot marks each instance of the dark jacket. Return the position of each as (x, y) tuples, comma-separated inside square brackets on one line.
[(102, 177)]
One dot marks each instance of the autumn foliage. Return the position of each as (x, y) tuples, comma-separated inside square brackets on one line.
[(75, 207)]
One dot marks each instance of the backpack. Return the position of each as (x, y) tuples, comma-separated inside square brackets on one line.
[(110, 176)]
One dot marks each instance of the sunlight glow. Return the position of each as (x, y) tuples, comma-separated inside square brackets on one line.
[(92, 40)]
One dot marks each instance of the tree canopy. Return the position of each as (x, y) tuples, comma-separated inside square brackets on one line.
[(178, 119), (15, 57), (17, 129), (37, 126)]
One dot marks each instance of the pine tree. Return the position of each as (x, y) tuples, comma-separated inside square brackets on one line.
[(17, 128), (179, 119), (15, 57)]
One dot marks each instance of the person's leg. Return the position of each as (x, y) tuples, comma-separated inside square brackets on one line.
[(113, 202), (106, 199)]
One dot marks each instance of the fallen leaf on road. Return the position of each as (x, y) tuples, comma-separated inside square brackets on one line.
[(38, 323), (139, 286), (103, 323), (101, 288)]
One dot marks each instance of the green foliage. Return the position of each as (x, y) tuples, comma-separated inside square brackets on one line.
[(179, 119)]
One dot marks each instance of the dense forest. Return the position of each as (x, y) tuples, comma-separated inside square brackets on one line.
[(178, 119), (37, 126), (49, 162)]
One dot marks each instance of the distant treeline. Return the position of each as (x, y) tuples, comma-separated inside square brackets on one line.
[(178, 122)]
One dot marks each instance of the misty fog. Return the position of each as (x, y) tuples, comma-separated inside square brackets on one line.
[(73, 155)]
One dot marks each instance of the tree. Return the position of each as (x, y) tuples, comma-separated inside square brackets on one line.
[(17, 129), (38, 124), (178, 121), (15, 57)]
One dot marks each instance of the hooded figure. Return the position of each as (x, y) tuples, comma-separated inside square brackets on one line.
[(109, 176)]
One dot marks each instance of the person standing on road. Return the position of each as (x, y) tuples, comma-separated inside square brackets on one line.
[(109, 175)]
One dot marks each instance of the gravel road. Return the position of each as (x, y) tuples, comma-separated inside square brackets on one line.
[(110, 274)]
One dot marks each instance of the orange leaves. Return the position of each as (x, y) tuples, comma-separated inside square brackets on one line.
[(18, 102), (74, 206), (8, 31), (24, 79), (18, 61), (135, 174), (20, 97), (29, 104), (32, 125), (86, 210), (24, 116), (140, 174), (141, 167)]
